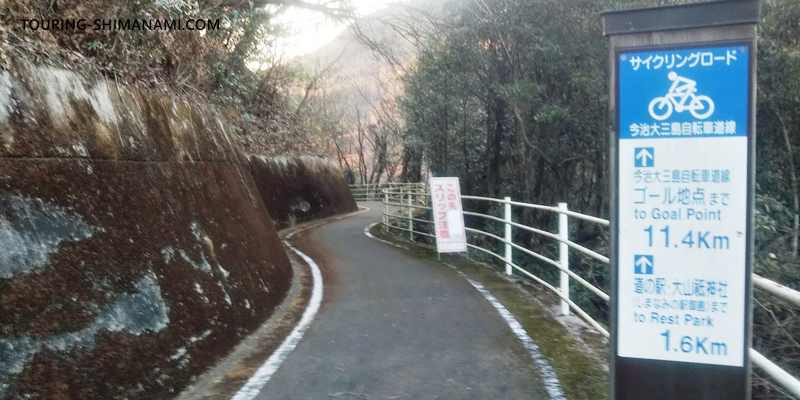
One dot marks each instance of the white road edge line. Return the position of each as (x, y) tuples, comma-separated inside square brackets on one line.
[(256, 382), (366, 232), (551, 383), (361, 210)]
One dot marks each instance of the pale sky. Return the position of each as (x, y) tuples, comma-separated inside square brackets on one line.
[(312, 30)]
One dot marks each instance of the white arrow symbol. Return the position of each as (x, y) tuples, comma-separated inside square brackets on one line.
[(643, 263), (644, 154)]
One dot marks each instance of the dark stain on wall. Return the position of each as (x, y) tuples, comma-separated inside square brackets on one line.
[(297, 189)]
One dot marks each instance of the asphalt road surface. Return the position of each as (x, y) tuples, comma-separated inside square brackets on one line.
[(396, 327)]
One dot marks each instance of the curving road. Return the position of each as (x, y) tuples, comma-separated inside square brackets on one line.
[(396, 327)]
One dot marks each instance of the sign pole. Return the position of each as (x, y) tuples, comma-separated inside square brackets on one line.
[(563, 259), (682, 104)]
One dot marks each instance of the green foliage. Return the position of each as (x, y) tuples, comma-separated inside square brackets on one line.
[(506, 86), (95, 45), (776, 324)]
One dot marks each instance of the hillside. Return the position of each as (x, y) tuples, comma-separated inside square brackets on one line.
[(362, 74)]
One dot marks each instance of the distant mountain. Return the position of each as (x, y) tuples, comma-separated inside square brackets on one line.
[(360, 72), (364, 66)]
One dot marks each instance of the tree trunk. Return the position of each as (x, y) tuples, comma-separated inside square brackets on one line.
[(793, 181)]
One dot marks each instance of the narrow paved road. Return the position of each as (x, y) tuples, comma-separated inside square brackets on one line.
[(395, 327)]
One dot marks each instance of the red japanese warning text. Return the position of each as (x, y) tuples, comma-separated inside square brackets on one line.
[(448, 216)]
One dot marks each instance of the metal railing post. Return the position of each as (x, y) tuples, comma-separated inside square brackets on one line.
[(385, 208), (509, 259), (563, 256), (400, 201), (410, 221)]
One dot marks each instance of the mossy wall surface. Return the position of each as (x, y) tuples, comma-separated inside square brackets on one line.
[(135, 249), (297, 189)]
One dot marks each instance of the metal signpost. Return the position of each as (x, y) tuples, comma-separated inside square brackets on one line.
[(448, 215), (683, 95)]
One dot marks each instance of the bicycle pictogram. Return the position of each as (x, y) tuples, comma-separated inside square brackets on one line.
[(681, 91)]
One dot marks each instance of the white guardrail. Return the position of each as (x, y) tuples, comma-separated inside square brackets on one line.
[(408, 197), (374, 192)]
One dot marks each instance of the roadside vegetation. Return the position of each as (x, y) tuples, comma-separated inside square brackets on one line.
[(237, 68)]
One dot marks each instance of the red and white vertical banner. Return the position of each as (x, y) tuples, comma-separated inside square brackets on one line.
[(448, 215)]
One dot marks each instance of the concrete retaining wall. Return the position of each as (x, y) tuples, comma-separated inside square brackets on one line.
[(135, 249), (297, 189)]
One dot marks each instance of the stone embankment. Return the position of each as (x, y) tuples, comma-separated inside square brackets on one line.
[(135, 247)]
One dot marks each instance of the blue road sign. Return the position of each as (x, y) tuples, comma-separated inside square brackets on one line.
[(644, 157), (690, 209), (683, 93), (643, 264)]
